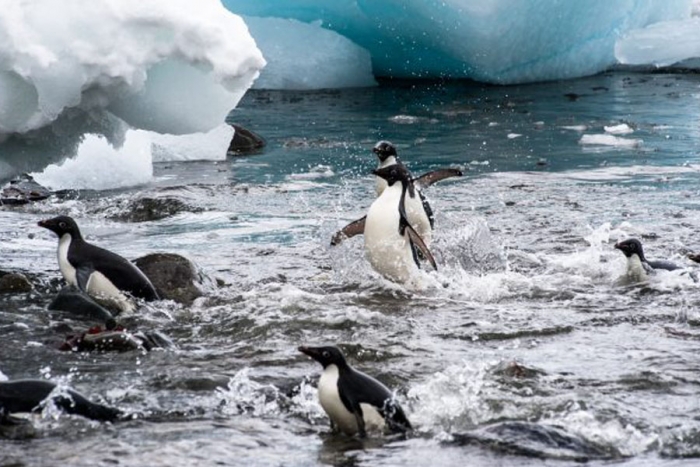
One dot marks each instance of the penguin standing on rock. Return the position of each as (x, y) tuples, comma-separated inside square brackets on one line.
[(638, 266), (422, 220), (355, 402), (392, 245), (99, 273)]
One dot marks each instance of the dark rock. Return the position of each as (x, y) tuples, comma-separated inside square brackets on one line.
[(245, 141), (11, 282), (536, 440), (22, 190), (153, 209), (174, 277), (116, 340), (72, 300), (16, 429)]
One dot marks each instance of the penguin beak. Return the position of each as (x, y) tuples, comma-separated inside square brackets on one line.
[(619, 247), (46, 223), (374, 172), (309, 351)]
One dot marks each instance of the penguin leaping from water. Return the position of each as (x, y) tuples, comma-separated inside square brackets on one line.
[(638, 266), (392, 245), (355, 402), (421, 220), (99, 273)]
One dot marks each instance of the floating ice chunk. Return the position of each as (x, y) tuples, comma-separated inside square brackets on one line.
[(661, 44), (575, 127), (100, 166), (3, 377), (307, 56), (514, 135), (210, 146), (610, 140), (621, 129), (176, 65)]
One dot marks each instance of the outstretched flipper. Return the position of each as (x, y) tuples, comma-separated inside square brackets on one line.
[(418, 244), (353, 228), (429, 178)]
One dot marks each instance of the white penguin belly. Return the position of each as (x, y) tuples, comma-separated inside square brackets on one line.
[(342, 418), (98, 285), (635, 269), (388, 252)]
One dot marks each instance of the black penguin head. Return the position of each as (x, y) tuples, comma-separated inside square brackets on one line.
[(630, 247), (61, 225), (393, 173), (384, 150), (329, 355)]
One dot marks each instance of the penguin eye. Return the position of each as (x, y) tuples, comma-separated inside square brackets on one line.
[(326, 354), (62, 225)]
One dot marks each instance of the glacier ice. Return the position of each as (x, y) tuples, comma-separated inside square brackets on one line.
[(661, 44), (499, 41), (307, 56), (141, 60)]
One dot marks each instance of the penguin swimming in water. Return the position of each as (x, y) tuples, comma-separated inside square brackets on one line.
[(96, 271), (392, 245), (27, 395), (638, 266), (422, 221), (355, 402)]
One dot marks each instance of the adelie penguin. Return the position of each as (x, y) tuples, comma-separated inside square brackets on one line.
[(100, 273), (392, 245), (638, 266), (27, 395), (421, 218), (355, 402)]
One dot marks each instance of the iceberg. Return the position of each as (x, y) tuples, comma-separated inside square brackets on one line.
[(104, 67), (662, 44), (497, 41)]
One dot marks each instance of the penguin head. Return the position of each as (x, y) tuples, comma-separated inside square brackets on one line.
[(630, 247), (329, 355), (393, 173), (384, 150), (61, 225)]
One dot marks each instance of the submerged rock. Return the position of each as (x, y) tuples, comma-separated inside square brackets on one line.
[(116, 340), (12, 283), (174, 277), (72, 300), (536, 440), (245, 141), (153, 209)]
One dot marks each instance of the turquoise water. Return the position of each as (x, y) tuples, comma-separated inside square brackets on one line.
[(524, 323)]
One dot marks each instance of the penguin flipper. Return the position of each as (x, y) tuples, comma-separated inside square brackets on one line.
[(418, 243), (429, 178), (356, 227), (82, 277)]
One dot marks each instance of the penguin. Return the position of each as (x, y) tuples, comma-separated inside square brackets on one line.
[(355, 402), (392, 245), (423, 221), (26, 395), (638, 267), (96, 271)]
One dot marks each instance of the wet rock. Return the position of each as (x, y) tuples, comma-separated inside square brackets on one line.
[(153, 209), (14, 283), (72, 300), (536, 440), (116, 340), (174, 277), (245, 141), (22, 190)]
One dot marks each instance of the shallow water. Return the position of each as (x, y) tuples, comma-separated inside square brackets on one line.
[(523, 322)]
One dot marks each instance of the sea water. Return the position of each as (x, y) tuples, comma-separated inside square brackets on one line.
[(525, 346)]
